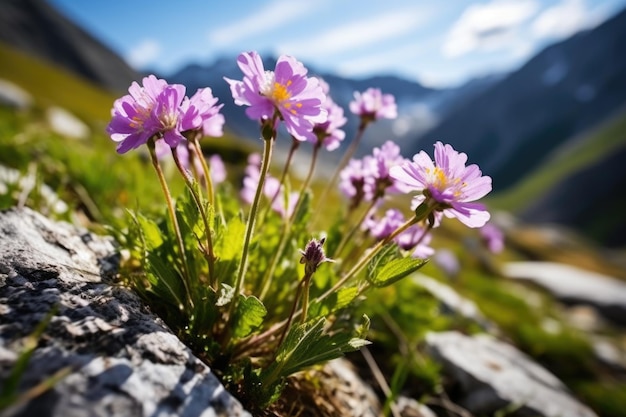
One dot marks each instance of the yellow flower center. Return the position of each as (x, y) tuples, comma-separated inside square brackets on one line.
[(279, 92), (440, 181)]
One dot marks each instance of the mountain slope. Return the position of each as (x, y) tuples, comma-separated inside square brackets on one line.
[(567, 88), (35, 27), (51, 85)]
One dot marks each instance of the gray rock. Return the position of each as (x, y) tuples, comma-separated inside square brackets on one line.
[(122, 360), (575, 285), (494, 375)]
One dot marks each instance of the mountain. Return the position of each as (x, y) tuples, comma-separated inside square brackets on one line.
[(419, 107), (35, 27), (566, 89)]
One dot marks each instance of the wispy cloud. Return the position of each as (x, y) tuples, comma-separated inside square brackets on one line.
[(271, 16), (488, 26), (356, 35), (144, 53), (395, 60), (564, 19)]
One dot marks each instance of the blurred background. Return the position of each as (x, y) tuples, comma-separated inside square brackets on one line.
[(534, 91)]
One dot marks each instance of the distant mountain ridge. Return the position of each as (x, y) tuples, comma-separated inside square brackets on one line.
[(567, 88), (35, 27)]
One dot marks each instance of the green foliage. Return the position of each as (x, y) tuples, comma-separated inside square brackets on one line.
[(309, 344), (390, 266), (248, 316)]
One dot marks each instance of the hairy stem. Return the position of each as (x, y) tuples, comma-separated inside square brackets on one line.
[(210, 255), (172, 213)]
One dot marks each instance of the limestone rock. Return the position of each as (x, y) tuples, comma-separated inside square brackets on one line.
[(493, 375), (122, 360)]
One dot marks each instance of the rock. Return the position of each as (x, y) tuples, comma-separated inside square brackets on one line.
[(65, 123), (493, 375), (14, 96), (453, 301), (122, 360), (575, 286)]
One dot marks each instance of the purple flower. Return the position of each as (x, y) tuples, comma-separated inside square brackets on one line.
[(448, 262), (412, 239), (202, 113), (493, 237), (313, 255), (352, 180), (385, 157), (372, 105), (218, 170), (167, 116), (380, 229), (447, 184), (270, 188), (329, 132), (130, 125), (287, 90)]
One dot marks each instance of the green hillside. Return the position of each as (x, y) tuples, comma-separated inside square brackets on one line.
[(51, 85), (578, 154)]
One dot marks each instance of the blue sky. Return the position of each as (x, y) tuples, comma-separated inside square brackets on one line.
[(439, 43)]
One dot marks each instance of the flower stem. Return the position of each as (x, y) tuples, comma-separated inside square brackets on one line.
[(348, 236), (344, 161), (210, 255), (294, 146), (306, 182), (267, 156), (291, 316), (172, 214), (269, 273), (207, 170)]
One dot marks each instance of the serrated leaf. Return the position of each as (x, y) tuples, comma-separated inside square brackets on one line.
[(249, 315), (394, 271)]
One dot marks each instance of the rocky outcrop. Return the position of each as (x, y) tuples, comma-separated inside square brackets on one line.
[(574, 285), (111, 355), (495, 376)]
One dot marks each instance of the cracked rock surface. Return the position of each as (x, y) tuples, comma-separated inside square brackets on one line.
[(494, 376), (117, 358)]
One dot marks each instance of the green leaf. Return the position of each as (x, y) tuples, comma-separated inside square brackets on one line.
[(388, 253), (249, 315), (338, 300), (394, 271), (229, 243), (302, 214), (309, 344), (150, 233)]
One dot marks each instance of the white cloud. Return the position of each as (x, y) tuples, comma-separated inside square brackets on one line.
[(488, 26), (268, 18), (358, 34), (145, 53), (563, 19)]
